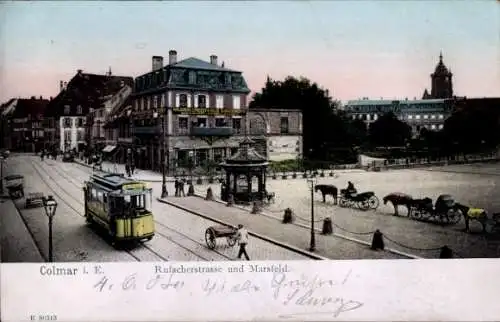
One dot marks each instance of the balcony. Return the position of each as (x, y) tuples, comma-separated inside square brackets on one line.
[(145, 130), (212, 131)]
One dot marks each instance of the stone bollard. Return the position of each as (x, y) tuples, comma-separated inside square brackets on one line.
[(230, 200), (255, 207), (327, 227), (446, 252), (191, 190), (377, 241), (210, 195), (288, 216)]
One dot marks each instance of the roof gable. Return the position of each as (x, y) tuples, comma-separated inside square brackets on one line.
[(195, 63)]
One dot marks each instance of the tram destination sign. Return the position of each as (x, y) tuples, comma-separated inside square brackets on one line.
[(134, 186), (208, 111)]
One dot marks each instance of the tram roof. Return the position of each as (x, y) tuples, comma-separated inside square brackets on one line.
[(112, 180)]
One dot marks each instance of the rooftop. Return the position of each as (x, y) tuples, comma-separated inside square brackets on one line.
[(196, 63), (364, 102)]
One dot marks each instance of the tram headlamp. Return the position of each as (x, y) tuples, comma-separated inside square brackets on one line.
[(50, 205)]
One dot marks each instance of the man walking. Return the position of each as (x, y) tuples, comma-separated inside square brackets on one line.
[(242, 236), (176, 187)]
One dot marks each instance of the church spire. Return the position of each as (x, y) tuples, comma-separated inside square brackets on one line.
[(441, 57)]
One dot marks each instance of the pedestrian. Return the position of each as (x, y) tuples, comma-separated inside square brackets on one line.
[(42, 154), (181, 188), (176, 187), (127, 169), (132, 168), (242, 236)]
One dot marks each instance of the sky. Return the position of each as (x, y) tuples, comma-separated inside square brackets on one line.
[(355, 49)]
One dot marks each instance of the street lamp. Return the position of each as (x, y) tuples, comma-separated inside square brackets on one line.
[(164, 192), (50, 205), (312, 246)]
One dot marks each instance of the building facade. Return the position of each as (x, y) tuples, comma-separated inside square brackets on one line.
[(187, 109), (22, 124), (419, 114), (277, 133), (67, 118)]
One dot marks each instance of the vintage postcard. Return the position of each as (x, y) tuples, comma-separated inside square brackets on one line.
[(237, 161)]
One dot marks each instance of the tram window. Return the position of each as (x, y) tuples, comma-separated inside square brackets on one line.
[(94, 194), (99, 196), (105, 198)]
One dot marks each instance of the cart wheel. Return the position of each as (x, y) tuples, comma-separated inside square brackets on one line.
[(210, 238), (231, 240), (363, 205), (373, 202)]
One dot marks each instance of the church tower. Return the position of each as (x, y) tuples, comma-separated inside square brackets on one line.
[(442, 86)]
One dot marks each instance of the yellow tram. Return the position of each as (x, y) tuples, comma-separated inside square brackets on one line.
[(120, 205)]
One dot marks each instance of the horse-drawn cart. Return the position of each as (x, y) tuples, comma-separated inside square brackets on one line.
[(15, 185), (443, 211), (214, 232)]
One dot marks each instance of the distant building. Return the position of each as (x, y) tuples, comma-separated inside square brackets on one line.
[(22, 124), (277, 133), (200, 106), (69, 115), (419, 114), (441, 82)]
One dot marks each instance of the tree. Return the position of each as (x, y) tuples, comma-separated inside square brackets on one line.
[(473, 129), (322, 128), (388, 130)]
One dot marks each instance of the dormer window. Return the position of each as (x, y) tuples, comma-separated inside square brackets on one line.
[(79, 110), (202, 101), (66, 109)]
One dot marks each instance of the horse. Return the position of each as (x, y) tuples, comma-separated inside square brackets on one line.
[(399, 199), (472, 214), (327, 189)]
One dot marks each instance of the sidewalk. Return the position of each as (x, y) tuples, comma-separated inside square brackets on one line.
[(17, 245), (330, 246), (151, 176)]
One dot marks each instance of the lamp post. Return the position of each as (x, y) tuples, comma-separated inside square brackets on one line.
[(164, 192), (312, 246), (50, 206)]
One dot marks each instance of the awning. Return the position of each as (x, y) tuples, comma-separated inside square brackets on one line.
[(109, 148)]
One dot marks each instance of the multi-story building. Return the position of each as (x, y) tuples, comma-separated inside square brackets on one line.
[(430, 112), (66, 116), (419, 114), (199, 107), (277, 133), (22, 124)]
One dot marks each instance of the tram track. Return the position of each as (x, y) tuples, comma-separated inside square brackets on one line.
[(77, 212), (68, 177)]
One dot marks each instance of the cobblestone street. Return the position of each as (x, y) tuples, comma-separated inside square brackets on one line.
[(180, 236)]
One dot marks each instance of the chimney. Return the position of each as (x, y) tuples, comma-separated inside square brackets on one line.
[(172, 57), (213, 59), (61, 86), (157, 62), (79, 71), (41, 98)]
